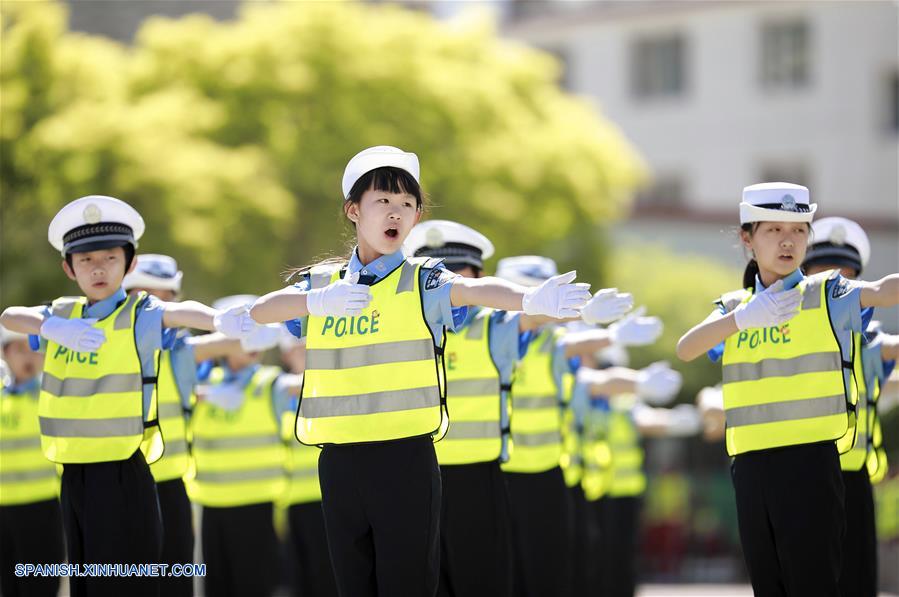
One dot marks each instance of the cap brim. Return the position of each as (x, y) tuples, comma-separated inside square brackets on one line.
[(750, 213), (99, 245), (138, 279)]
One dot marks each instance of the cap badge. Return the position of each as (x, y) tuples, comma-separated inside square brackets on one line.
[(434, 238), (92, 214), (838, 235), (788, 203)]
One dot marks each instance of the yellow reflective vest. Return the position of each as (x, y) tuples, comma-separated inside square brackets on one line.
[(376, 376), (784, 385), (238, 454), (26, 476), (300, 466), (597, 455), (91, 404), (627, 478), (174, 462), (473, 396), (537, 405)]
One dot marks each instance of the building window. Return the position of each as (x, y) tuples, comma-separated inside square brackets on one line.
[(793, 172), (893, 98), (561, 55), (785, 57), (657, 66), (666, 190)]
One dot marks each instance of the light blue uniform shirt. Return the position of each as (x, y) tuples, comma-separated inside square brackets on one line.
[(282, 399), (436, 284), (843, 304), (147, 331), (29, 386)]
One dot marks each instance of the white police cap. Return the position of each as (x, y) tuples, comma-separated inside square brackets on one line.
[(838, 241), (456, 243), (154, 272), (527, 270), (235, 300), (95, 222), (776, 202), (378, 157)]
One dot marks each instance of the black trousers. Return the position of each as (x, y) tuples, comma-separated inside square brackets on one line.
[(30, 533), (582, 556), (382, 511), (240, 549), (858, 578), (111, 516), (177, 536), (619, 525), (475, 532), (541, 533), (791, 518), (311, 570)]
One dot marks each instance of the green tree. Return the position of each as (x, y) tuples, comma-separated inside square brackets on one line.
[(231, 137), (681, 290)]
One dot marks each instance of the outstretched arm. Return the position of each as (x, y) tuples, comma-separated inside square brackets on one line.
[(25, 320), (716, 328), (189, 314), (882, 293)]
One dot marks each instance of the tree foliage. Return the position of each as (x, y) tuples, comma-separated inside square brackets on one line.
[(231, 137)]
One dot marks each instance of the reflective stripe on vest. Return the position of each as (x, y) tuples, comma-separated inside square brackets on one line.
[(175, 460), (26, 476), (300, 466), (627, 476), (375, 376), (597, 455), (91, 404), (473, 396), (238, 454), (785, 386), (872, 376), (536, 444)]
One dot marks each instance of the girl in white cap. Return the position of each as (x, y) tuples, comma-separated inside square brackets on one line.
[(787, 369), (373, 393)]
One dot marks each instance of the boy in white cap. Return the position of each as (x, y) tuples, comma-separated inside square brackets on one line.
[(787, 369), (98, 413), (159, 276), (30, 520), (841, 244), (239, 462), (373, 390)]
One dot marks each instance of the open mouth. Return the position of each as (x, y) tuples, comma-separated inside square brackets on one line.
[(785, 257), (392, 233)]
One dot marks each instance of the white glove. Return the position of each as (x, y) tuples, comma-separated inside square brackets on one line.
[(658, 384), (344, 297), (772, 307), (227, 396), (606, 306), (261, 338), (75, 334), (635, 330), (589, 377), (556, 297), (684, 421), (235, 322)]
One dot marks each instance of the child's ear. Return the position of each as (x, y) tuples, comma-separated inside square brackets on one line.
[(132, 266), (746, 239), (68, 270), (352, 211)]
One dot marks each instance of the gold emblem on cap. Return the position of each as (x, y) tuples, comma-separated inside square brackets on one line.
[(434, 238), (838, 235), (92, 214)]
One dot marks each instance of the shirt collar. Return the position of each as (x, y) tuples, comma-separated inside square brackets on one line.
[(26, 387), (105, 307), (241, 376), (379, 268), (789, 282)]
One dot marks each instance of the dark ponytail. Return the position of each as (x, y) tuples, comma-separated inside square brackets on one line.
[(749, 274), (752, 268)]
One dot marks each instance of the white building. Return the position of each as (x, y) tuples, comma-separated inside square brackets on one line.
[(719, 95)]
